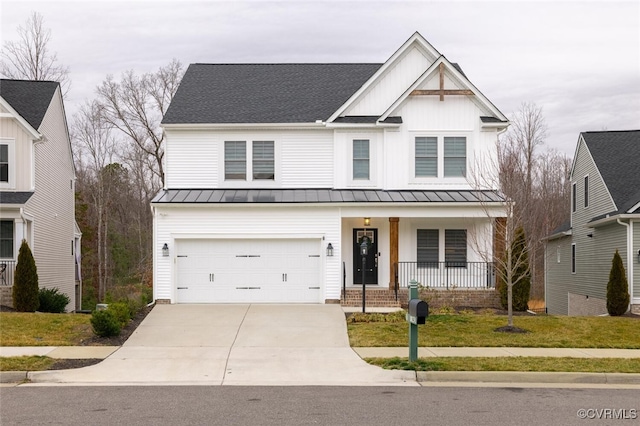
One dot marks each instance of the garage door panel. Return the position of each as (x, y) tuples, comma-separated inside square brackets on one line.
[(249, 271)]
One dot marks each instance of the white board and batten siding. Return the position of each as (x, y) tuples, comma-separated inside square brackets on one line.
[(195, 159), (267, 231)]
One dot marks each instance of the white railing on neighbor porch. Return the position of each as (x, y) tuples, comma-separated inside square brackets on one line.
[(447, 275), (7, 270)]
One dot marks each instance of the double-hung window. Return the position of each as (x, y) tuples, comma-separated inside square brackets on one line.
[(428, 248), (4, 163), (426, 157), (6, 239), (455, 156), (263, 160), (235, 160), (455, 248), (361, 158), (586, 191)]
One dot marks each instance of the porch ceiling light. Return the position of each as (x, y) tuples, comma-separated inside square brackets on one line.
[(367, 221), (329, 250), (165, 250)]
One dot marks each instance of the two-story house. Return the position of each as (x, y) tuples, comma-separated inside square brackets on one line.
[(276, 174), (605, 217), (37, 176)]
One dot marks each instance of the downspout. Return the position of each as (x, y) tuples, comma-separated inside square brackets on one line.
[(629, 257)]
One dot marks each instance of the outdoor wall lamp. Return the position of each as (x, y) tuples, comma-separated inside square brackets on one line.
[(165, 250), (329, 250), (367, 221)]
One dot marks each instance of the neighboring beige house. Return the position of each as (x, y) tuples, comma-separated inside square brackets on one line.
[(277, 173), (37, 178), (605, 217)]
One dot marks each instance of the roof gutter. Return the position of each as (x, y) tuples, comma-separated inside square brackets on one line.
[(609, 219)]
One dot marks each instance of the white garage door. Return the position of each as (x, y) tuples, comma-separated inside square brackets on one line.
[(248, 271)]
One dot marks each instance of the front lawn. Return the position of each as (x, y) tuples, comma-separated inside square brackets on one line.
[(41, 329), (477, 330), (548, 364)]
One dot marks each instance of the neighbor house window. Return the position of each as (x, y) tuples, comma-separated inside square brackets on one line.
[(574, 195), (235, 160), (361, 159), (426, 157), (586, 191), (455, 247), (6, 239), (573, 258), (428, 243), (4, 163), (455, 156), (263, 160)]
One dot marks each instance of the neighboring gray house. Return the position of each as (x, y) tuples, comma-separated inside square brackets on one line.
[(37, 177), (605, 217)]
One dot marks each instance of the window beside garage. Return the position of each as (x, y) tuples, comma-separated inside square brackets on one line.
[(263, 160), (235, 160), (238, 167)]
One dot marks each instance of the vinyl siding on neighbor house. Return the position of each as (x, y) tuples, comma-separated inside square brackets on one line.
[(52, 204), (635, 256), (558, 275)]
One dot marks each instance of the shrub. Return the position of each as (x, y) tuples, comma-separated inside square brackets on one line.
[(51, 300), (121, 313), (521, 274), (617, 288), (105, 323), (25, 282)]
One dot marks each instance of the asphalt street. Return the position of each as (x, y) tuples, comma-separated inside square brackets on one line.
[(215, 405)]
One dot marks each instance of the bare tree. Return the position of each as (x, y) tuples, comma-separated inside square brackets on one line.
[(29, 58), (94, 149), (135, 106)]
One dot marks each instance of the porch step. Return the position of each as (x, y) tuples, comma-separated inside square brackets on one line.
[(376, 298)]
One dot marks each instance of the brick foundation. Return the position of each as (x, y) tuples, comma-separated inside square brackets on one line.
[(6, 296), (471, 298)]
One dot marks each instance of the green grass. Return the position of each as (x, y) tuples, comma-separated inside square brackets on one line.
[(40, 329), (25, 363), (568, 365), (476, 330)]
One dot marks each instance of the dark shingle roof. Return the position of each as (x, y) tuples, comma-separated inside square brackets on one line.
[(617, 156), (14, 197), (316, 195), (29, 98), (265, 93), (366, 119)]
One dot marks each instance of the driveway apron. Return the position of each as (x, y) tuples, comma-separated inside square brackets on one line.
[(235, 345)]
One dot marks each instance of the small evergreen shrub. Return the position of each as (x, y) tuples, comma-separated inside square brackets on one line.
[(25, 281), (105, 323), (617, 288), (121, 313), (51, 300)]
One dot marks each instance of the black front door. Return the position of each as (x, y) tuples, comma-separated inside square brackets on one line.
[(371, 260)]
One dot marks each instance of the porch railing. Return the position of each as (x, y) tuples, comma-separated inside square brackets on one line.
[(447, 275), (7, 270)]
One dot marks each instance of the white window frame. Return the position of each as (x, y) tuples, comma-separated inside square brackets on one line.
[(585, 182), (224, 155), (354, 159), (440, 152), (11, 154), (374, 158), (249, 181)]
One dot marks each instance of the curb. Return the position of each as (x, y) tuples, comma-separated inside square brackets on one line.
[(527, 377), (13, 376)]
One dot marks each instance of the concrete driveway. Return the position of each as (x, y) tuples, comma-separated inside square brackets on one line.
[(235, 345)]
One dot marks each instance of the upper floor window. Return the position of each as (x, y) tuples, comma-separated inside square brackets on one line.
[(263, 160), (574, 196), (455, 247), (361, 159), (586, 191), (426, 157), (428, 248), (235, 160), (6, 239), (455, 156), (4, 163), (573, 258)]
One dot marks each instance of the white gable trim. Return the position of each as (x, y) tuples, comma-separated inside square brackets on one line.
[(458, 75), (415, 38), (14, 114)]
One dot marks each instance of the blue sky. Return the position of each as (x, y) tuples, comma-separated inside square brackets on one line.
[(579, 60)]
